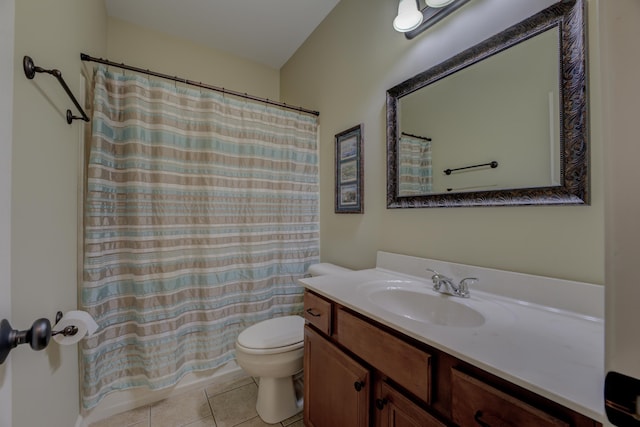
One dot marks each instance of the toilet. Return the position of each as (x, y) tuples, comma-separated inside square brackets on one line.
[(273, 351)]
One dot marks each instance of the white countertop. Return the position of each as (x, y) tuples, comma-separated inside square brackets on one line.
[(553, 352)]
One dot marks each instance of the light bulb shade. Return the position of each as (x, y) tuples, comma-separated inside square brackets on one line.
[(438, 3), (409, 17)]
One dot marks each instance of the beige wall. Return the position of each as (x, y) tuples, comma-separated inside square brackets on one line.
[(344, 69), (166, 54), (44, 199)]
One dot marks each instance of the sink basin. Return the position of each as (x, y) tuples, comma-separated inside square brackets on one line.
[(425, 307)]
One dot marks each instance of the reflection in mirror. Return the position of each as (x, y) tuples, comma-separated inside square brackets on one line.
[(502, 123), (520, 87)]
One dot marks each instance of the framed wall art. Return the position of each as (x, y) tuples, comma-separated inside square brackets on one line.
[(349, 171)]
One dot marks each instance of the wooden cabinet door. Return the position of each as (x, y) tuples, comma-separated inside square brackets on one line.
[(395, 410), (336, 388)]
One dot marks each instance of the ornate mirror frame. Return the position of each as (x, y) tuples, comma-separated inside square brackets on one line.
[(569, 17)]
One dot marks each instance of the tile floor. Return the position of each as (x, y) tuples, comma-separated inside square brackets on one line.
[(230, 405)]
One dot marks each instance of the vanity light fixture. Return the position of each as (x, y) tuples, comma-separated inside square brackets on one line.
[(433, 12), (409, 17)]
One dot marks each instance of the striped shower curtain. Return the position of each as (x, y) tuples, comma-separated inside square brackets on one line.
[(414, 161), (201, 211)]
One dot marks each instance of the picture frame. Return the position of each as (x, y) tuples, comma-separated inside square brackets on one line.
[(349, 171)]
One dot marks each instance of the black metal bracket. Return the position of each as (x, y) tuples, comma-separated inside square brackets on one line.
[(30, 70), (433, 15), (493, 165)]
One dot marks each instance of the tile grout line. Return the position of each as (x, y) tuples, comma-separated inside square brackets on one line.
[(213, 415)]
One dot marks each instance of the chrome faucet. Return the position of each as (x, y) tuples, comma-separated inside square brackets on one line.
[(446, 285)]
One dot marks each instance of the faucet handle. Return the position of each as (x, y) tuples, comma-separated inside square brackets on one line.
[(436, 275), (464, 285), (439, 280), (435, 278)]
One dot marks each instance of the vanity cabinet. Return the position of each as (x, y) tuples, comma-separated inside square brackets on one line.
[(358, 372)]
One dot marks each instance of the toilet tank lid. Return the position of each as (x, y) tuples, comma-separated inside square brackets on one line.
[(325, 268), (273, 333)]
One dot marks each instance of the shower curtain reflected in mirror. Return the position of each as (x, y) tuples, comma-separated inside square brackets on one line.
[(414, 166), (201, 211)]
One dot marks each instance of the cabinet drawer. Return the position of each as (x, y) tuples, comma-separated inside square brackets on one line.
[(317, 311), (475, 403), (406, 365)]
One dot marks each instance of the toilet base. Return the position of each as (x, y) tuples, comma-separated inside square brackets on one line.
[(277, 399)]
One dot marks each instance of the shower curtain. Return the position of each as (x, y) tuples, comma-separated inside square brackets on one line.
[(414, 160), (201, 211)]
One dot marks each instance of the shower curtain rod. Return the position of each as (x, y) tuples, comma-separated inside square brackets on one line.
[(85, 57)]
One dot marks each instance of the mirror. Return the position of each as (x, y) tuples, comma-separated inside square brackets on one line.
[(502, 123)]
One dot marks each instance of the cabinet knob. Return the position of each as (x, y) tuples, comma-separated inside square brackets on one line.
[(380, 403), (358, 385)]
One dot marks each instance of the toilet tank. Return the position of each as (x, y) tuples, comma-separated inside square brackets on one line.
[(325, 268)]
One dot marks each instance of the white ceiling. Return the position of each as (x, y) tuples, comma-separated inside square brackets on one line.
[(265, 31)]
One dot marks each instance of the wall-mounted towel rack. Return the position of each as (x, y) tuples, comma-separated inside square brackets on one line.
[(416, 136), (493, 165), (30, 70)]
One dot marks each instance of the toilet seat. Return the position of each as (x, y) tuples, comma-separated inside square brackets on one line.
[(277, 335)]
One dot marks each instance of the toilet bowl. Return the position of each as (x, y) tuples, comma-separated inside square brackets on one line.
[(273, 351)]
